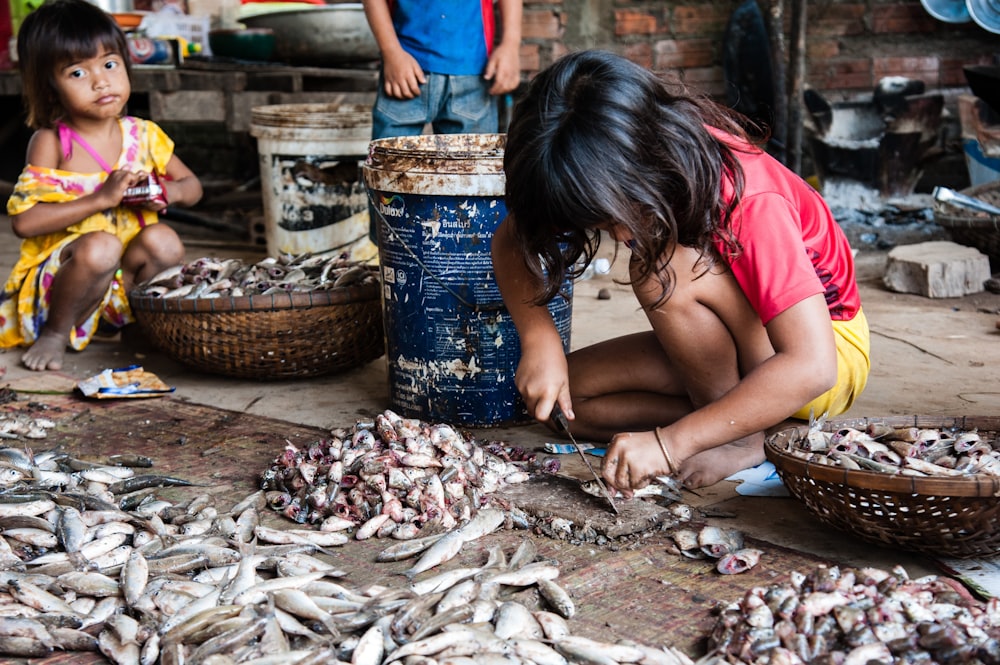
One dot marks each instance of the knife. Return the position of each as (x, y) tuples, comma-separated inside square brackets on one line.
[(559, 418)]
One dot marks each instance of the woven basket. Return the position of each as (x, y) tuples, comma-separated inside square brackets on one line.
[(942, 516), (972, 228), (282, 336)]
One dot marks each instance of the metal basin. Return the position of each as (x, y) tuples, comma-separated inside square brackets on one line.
[(319, 35)]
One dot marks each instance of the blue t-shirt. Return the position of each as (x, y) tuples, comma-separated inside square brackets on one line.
[(446, 36)]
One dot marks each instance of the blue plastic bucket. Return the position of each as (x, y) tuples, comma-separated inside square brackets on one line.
[(451, 345)]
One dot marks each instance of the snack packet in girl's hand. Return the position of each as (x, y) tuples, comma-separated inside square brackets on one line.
[(132, 381), (145, 193)]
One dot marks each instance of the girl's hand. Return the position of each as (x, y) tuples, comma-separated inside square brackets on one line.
[(542, 377), (111, 192), (632, 460)]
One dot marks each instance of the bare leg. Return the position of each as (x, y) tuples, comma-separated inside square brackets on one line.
[(715, 338), (710, 466), (87, 267), (641, 391), (705, 337), (621, 384), (154, 249)]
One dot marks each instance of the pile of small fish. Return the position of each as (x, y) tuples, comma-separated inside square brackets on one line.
[(857, 616), (392, 477), (909, 451), (24, 424), (92, 560), (724, 545), (214, 278)]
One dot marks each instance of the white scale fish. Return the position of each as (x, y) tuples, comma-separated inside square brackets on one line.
[(487, 520), (665, 487)]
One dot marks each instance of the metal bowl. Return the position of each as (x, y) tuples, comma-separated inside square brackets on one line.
[(949, 11), (319, 35), (986, 14)]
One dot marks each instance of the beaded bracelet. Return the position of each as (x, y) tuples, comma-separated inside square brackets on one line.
[(666, 453)]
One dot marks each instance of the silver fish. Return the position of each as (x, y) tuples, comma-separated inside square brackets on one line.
[(485, 521), (557, 597), (514, 619), (666, 487)]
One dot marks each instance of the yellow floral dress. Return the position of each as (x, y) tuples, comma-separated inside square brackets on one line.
[(24, 302)]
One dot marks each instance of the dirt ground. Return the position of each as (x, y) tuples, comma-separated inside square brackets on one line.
[(930, 356)]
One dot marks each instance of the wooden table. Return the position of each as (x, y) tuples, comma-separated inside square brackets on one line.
[(225, 91)]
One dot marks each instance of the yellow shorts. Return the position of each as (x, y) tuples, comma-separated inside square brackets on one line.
[(853, 365)]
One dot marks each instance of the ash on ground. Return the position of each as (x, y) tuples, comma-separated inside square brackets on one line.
[(896, 222)]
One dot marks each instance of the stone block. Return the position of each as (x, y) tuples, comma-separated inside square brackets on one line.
[(937, 269)]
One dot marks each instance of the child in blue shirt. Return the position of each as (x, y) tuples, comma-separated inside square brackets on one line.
[(440, 66)]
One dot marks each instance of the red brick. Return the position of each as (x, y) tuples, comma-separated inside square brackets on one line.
[(685, 53), (641, 53), (709, 80), (926, 69), (530, 58), (904, 18), (952, 69), (541, 25), (834, 19), (818, 50), (952, 73), (630, 22), (841, 75), (700, 20)]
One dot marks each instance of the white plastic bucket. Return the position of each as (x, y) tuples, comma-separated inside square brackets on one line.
[(310, 160)]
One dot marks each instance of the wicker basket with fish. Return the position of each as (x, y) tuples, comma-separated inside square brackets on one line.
[(919, 483), (284, 317)]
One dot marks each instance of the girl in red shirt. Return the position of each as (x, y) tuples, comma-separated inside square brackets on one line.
[(745, 277)]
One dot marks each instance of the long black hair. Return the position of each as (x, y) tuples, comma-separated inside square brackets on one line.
[(51, 37), (599, 140)]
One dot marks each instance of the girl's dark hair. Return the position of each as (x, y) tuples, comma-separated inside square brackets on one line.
[(599, 140), (54, 35)]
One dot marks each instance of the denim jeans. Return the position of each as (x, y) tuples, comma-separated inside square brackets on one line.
[(451, 104)]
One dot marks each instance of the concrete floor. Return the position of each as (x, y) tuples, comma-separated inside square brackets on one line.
[(934, 357)]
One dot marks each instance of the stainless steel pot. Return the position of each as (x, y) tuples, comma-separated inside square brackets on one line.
[(115, 6), (319, 35)]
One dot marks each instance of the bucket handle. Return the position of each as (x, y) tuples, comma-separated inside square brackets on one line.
[(473, 306)]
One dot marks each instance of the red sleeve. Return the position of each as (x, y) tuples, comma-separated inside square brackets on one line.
[(774, 269)]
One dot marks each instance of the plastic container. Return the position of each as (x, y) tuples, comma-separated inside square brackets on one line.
[(19, 10), (310, 157), (452, 348)]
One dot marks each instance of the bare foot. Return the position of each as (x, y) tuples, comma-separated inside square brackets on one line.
[(46, 353), (710, 466)]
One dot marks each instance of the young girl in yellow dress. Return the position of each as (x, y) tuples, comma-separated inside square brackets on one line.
[(82, 249)]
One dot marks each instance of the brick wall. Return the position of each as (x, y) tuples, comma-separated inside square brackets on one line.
[(849, 45)]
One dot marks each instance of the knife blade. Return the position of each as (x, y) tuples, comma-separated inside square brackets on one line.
[(559, 418)]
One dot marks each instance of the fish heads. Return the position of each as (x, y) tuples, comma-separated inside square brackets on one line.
[(717, 542)]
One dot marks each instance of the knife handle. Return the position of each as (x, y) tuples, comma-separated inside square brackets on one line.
[(559, 418)]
